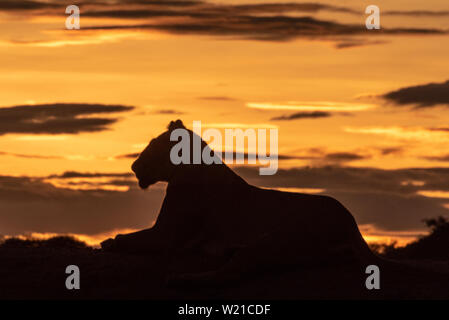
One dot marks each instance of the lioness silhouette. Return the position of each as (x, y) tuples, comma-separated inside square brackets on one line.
[(211, 209)]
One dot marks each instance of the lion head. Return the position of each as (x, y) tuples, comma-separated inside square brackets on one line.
[(153, 164)]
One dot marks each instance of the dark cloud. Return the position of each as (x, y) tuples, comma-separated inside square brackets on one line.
[(391, 150), (206, 10), (314, 156), (344, 156), (34, 205), (217, 98), (442, 158), (24, 5), (28, 156), (258, 21), (20, 5), (440, 129), (160, 8), (385, 198), (264, 28), (76, 174), (171, 3), (417, 13), (168, 111), (321, 157), (57, 118), (246, 155), (140, 14), (290, 7), (423, 96), (350, 44), (128, 156), (357, 42), (304, 115)]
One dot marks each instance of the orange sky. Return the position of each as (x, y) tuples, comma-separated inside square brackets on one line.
[(234, 80)]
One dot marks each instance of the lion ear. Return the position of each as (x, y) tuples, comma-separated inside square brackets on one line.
[(175, 125)]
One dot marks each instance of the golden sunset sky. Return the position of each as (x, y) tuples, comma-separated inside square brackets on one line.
[(362, 114)]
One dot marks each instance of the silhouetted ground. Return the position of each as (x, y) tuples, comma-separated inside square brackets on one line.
[(36, 269)]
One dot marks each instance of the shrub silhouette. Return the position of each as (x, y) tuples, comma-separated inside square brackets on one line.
[(58, 242), (438, 225), (384, 249), (434, 246)]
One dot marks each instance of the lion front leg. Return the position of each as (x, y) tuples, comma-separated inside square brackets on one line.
[(145, 241)]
